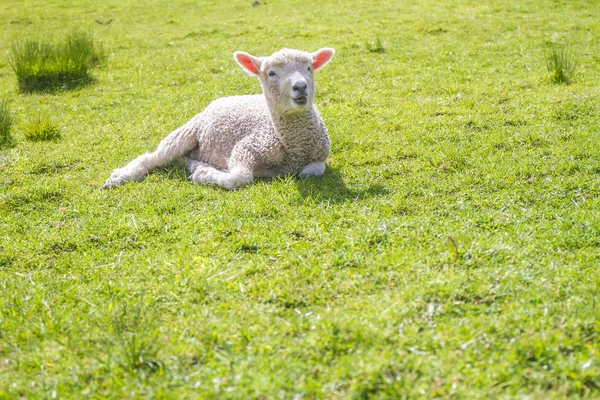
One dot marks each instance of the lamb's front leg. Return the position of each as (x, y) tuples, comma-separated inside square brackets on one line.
[(204, 173), (233, 179), (243, 161), (174, 146), (312, 169), (194, 166)]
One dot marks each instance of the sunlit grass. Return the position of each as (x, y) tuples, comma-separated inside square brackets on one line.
[(450, 250)]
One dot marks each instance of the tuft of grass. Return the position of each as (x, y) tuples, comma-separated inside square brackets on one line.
[(135, 344), (375, 46), (41, 129), (5, 123), (561, 63), (46, 65)]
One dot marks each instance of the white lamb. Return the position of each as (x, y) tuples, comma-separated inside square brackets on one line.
[(236, 139)]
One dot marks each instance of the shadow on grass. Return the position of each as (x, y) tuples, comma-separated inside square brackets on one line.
[(52, 85), (331, 188), (327, 188), (175, 170)]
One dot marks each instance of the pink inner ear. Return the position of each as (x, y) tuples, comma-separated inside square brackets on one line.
[(321, 59), (247, 63)]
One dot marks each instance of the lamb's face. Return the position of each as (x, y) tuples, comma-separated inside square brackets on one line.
[(288, 86), (286, 76)]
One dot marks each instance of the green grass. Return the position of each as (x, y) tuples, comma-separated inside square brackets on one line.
[(47, 65), (561, 63), (451, 249), (41, 129), (6, 122)]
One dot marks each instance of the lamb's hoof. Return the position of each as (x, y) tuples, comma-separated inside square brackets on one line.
[(111, 184), (114, 181), (198, 175)]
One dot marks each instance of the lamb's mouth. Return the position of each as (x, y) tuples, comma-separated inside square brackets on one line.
[(302, 100)]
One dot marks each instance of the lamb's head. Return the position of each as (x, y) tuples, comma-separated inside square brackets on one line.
[(286, 76)]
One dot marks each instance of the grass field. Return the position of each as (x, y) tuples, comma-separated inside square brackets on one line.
[(451, 250)]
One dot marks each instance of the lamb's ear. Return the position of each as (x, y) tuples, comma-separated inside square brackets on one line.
[(321, 57), (248, 62)]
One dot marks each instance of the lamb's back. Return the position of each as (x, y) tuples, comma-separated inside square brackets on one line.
[(237, 115)]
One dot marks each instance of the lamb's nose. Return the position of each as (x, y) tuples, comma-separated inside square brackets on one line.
[(300, 87)]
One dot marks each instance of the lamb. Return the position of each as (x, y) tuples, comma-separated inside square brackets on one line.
[(239, 138)]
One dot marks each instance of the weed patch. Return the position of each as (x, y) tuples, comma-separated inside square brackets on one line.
[(6, 121), (561, 63), (47, 65), (41, 129), (375, 46), (135, 349)]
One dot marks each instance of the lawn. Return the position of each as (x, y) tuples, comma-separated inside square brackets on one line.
[(451, 249)]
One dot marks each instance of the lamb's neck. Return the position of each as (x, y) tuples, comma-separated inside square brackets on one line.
[(296, 127)]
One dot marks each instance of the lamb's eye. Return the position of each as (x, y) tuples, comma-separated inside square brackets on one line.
[(309, 68), (272, 74)]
